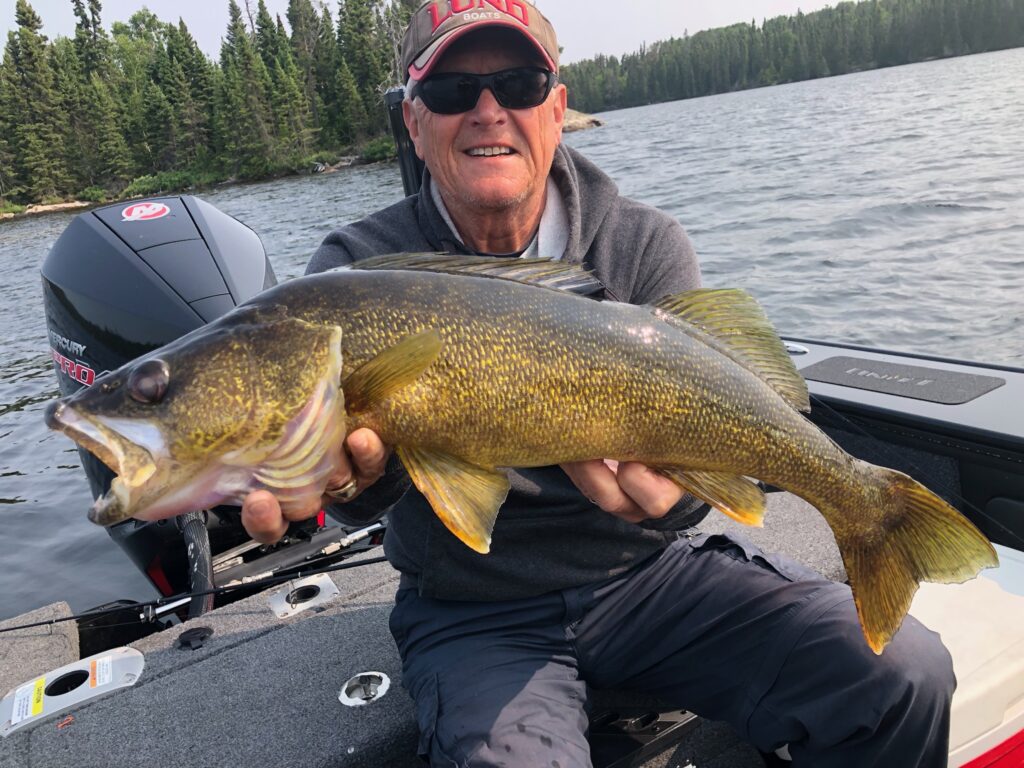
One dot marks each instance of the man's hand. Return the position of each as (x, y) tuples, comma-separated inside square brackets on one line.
[(362, 459), (629, 490)]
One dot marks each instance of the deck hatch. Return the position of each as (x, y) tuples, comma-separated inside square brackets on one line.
[(934, 385)]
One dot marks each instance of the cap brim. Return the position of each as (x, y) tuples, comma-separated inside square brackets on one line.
[(430, 55)]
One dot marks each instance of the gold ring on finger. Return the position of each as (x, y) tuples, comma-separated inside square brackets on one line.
[(344, 492)]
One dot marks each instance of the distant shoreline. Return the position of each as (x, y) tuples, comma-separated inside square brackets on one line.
[(574, 121)]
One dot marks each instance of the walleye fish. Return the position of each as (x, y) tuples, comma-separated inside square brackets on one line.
[(470, 365)]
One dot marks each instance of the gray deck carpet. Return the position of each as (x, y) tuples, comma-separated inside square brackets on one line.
[(264, 691)]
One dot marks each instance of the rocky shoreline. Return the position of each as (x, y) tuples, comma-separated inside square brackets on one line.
[(52, 208), (578, 121)]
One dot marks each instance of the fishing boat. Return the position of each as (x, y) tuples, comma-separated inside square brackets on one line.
[(281, 655)]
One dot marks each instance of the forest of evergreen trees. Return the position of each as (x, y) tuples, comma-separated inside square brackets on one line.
[(850, 37), (140, 109)]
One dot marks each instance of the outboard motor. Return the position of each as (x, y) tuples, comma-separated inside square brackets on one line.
[(126, 279)]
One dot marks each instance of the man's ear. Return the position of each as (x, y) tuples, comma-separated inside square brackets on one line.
[(559, 105), (413, 126)]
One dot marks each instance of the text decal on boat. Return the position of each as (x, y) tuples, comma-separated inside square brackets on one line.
[(80, 372), (144, 212)]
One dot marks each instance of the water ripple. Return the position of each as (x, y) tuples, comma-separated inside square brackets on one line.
[(831, 198)]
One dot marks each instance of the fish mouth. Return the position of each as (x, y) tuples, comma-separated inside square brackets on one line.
[(127, 447)]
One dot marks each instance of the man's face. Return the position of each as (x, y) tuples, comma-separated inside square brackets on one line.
[(477, 184)]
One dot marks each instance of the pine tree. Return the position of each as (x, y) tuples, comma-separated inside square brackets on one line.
[(91, 41), (358, 43), (77, 129), (325, 64), (290, 120), (394, 20), (188, 121), (95, 150), (189, 89), (32, 109), (114, 166), (9, 189), (296, 128), (294, 135), (266, 36), (351, 114), (139, 55), (305, 39), (159, 134), (244, 116)]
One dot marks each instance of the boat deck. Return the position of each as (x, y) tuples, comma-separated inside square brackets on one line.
[(262, 691)]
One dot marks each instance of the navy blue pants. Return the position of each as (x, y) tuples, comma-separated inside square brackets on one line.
[(712, 625)]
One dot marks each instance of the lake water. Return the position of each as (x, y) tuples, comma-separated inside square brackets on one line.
[(883, 208)]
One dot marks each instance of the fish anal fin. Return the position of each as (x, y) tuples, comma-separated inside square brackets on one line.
[(732, 495), (737, 323), (464, 496), (394, 368)]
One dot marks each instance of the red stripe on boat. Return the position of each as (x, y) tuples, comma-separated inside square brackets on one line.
[(158, 577), (1009, 754)]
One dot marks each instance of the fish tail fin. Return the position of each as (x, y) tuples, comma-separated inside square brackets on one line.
[(920, 537)]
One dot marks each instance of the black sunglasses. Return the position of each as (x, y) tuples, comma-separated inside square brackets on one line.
[(451, 93)]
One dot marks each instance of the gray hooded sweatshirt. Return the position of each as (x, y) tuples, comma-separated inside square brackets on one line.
[(547, 535)]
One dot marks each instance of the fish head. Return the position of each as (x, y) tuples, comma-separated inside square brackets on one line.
[(185, 426)]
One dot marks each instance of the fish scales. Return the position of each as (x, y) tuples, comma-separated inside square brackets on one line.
[(518, 361)]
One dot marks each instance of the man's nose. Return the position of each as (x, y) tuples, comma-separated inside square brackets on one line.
[(488, 110)]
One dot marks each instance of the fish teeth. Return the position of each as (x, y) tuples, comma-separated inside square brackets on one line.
[(489, 151)]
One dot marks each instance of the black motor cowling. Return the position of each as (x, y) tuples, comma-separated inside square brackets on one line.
[(125, 279)]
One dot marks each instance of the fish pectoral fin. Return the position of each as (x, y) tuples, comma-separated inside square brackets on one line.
[(394, 368), (733, 495), (740, 330), (466, 497)]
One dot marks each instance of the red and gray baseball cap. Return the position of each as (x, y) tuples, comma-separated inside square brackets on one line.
[(438, 23)]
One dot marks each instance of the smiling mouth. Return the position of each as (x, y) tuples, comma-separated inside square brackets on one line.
[(489, 151)]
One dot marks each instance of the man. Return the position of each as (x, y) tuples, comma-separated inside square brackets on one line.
[(595, 574)]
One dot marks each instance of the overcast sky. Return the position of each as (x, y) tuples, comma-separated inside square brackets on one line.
[(584, 27)]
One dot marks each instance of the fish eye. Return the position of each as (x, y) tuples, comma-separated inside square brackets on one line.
[(147, 384)]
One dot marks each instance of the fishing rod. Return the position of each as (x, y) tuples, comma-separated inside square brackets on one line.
[(151, 610)]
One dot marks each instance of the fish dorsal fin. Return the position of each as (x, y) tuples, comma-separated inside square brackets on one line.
[(400, 365), (730, 494), (571, 278), (466, 497), (734, 319)]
